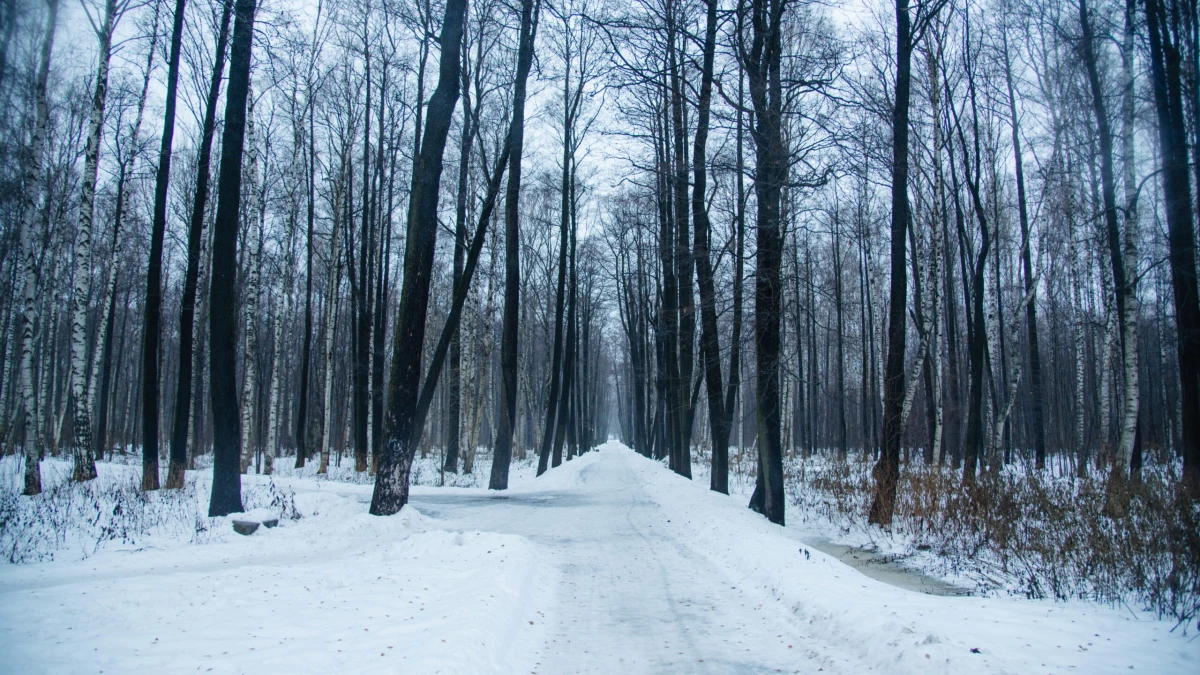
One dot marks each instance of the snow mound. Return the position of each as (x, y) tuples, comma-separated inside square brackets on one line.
[(897, 631)]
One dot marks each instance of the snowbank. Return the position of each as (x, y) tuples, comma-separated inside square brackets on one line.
[(898, 631), (336, 590)]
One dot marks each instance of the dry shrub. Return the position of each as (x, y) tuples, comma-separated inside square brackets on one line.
[(1029, 531), (76, 520)]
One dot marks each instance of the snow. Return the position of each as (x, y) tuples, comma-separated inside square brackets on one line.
[(607, 564), (335, 591), (898, 631)]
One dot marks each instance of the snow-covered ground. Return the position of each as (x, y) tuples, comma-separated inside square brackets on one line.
[(608, 564)]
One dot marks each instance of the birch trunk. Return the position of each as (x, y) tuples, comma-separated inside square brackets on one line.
[(273, 415), (255, 264), (1073, 253), (328, 322), (1106, 365), (1129, 319), (85, 461), (29, 250)]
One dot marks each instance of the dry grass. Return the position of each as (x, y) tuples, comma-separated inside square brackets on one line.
[(1029, 531)]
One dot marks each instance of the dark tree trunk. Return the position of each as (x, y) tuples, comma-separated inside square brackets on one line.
[(187, 314), (454, 375), (383, 261), (683, 255), (502, 453), (766, 94), (437, 360), (227, 433), (555, 364), (306, 355), (976, 326), (563, 417), (1166, 63), (735, 336), (153, 311), (710, 346), (391, 481), (887, 469), (361, 295)]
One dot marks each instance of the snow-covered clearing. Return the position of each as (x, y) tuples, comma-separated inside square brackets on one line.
[(608, 564)]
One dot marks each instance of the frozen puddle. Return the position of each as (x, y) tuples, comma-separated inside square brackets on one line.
[(887, 569)]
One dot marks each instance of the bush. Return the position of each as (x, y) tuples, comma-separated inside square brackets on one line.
[(1027, 531), (76, 520)]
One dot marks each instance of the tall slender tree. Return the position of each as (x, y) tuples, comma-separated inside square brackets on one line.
[(187, 308), (392, 479), (151, 331), (502, 454), (29, 254), (227, 433), (85, 462)]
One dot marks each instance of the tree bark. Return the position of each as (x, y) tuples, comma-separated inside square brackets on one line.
[(1129, 444), (254, 234), (710, 346), (227, 436), (887, 469), (85, 462), (502, 453), (152, 323), (30, 249), (1166, 78), (187, 309), (766, 94), (391, 483)]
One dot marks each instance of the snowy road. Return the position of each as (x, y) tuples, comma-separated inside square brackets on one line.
[(631, 597), (609, 564)]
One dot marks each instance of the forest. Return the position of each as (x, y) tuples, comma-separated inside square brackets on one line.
[(923, 270)]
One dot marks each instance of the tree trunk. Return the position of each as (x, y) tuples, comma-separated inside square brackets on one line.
[(227, 436), (766, 93), (710, 346), (329, 321), (1037, 415), (733, 392), (502, 455), (1116, 502), (85, 462), (152, 324), (1129, 445), (1166, 76), (187, 310), (454, 375), (555, 364), (391, 483), (683, 254), (254, 234), (887, 469), (29, 251)]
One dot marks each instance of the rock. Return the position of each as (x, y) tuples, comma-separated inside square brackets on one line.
[(270, 522), (246, 527)]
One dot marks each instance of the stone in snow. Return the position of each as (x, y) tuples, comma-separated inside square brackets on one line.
[(245, 527)]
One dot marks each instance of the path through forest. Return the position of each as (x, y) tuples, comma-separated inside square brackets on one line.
[(632, 597), (610, 563)]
